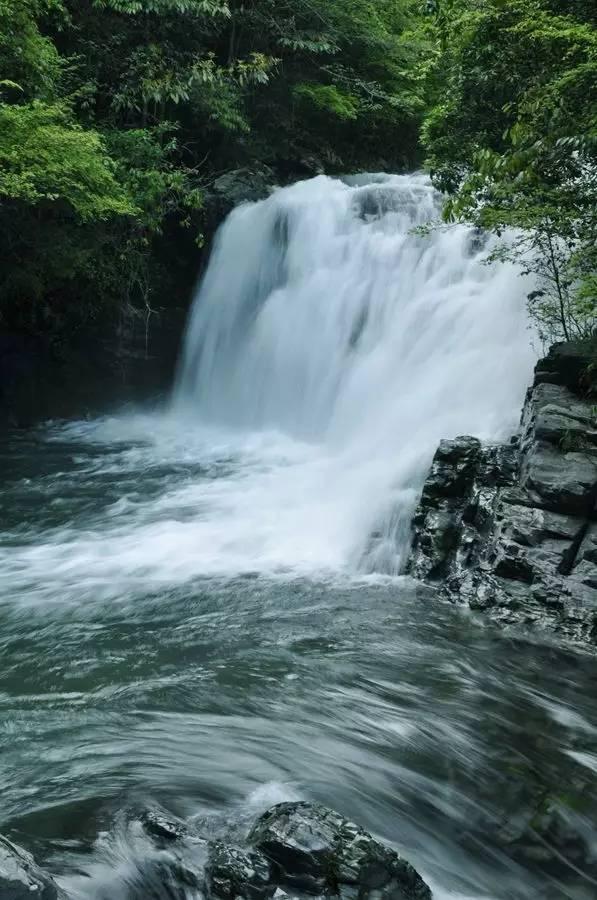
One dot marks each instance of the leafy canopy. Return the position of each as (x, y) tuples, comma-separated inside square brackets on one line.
[(512, 138)]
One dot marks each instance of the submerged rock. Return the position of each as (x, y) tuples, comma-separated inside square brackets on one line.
[(512, 529), (176, 871), (163, 828), (20, 877), (552, 839)]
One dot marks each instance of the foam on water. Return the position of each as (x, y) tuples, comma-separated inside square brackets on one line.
[(324, 318), (328, 350)]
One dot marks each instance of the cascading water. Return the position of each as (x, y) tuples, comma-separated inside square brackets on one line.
[(329, 350), (323, 318), (187, 615)]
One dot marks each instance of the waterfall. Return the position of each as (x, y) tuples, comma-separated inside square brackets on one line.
[(325, 318)]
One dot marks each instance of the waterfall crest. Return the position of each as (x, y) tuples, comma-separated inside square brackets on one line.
[(323, 317)]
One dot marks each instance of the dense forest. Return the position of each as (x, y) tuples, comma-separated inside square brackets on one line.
[(117, 117)]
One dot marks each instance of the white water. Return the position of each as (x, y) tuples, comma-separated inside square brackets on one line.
[(328, 351), (355, 346)]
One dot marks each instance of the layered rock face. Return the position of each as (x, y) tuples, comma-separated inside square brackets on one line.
[(512, 529)]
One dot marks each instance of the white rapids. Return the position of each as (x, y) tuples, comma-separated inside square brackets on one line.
[(356, 345), (202, 607), (329, 349)]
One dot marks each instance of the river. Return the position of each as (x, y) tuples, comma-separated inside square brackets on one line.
[(202, 605)]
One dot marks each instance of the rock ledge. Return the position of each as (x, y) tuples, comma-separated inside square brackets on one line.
[(511, 529)]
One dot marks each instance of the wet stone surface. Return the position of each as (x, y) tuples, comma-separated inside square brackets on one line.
[(511, 529), (20, 877), (294, 850)]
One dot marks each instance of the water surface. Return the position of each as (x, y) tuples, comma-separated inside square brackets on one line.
[(136, 672), (202, 608)]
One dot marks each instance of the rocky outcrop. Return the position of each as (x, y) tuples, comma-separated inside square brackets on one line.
[(20, 877), (292, 852), (314, 850), (512, 529), (134, 362), (237, 872), (236, 187)]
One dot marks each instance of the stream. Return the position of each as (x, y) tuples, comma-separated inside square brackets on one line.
[(202, 605)]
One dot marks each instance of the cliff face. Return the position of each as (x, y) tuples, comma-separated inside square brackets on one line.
[(133, 363), (512, 529)]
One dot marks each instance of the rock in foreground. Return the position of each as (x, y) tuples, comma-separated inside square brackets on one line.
[(293, 851), (310, 850), (512, 529), (20, 877), (237, 872)]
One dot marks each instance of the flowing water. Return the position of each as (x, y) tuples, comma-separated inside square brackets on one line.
[(201, 607)]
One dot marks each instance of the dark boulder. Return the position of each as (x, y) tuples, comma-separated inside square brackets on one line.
[(240, 186), (163, 828), (454, 467), (317, 851), (511, 529), (237, 872), (572, 364), (295, 850)]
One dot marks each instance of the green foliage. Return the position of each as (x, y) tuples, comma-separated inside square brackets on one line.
[(144, 167), (328, 99), (116, 116), (162, 7), (29, 62), (45, 157), (512, 137)]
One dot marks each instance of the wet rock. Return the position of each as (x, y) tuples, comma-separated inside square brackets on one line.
[(292, 852), (456, 507), (569, 364), (512, 529), (237, 872), (241, 186), (558, 463), (317, 851), (584, 568), (163, 828), (176, 872), (20, 877), (453, 468)]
